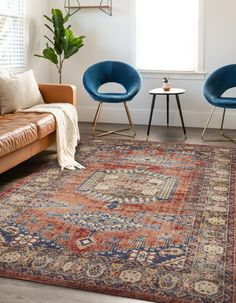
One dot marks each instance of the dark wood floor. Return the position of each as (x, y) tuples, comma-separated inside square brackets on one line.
[(29, 292)]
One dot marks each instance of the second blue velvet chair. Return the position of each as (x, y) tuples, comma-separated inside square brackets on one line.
[(112, 72), (214, 88)]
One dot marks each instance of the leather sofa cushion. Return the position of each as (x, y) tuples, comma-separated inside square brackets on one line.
[(20, 129), (45, 123)]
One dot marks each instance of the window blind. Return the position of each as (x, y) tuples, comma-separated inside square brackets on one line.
[(12, 34), (167, 34)]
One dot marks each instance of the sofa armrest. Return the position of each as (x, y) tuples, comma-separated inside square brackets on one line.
[(56, 93)]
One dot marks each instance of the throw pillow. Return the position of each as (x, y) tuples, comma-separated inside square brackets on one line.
[(18, 91)]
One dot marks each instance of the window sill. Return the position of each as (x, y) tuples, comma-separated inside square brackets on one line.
[(151, 74), (14, 70)]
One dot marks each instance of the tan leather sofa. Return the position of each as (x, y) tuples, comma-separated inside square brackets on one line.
[(22, 135)]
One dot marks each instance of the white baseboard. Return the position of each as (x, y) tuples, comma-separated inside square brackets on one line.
[(141, 117)]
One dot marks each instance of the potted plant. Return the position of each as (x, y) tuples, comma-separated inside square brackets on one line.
[(166, 84), (64, 44)]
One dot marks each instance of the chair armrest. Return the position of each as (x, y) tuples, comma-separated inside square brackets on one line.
[(56, 93)]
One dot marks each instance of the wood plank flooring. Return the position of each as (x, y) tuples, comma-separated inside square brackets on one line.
[(16, 291)]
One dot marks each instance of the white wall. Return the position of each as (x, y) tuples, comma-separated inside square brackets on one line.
[(112, 37), (35, 43)]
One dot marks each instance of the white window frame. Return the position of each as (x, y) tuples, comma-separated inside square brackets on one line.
[(154, 74), (25, 59)]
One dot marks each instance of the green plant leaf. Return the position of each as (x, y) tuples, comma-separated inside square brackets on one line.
[(58, 19), (49, 39), (71, 44), (49, 28), (49, 19), (50, 54), (66, 18), (59, 31), (40, 56)]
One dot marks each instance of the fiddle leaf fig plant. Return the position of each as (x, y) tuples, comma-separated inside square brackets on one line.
[(64, 44)]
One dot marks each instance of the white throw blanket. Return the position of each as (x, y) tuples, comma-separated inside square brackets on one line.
[(67, 131)]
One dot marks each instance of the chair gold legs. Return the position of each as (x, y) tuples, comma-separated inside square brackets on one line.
[(116, 131), (221, 127), (208, 121)]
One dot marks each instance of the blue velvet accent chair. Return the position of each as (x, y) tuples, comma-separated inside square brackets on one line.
[(217, 83), (112, 72)]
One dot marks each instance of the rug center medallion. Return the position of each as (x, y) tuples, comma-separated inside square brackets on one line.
[(133, 186)]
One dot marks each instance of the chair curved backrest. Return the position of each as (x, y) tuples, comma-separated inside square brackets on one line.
[(112, 71), (218, 82)]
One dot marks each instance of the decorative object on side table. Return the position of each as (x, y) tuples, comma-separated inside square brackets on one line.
[(64, 43), (166, 84)]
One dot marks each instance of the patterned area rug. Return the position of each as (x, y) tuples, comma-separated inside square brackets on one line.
[(143, 220)]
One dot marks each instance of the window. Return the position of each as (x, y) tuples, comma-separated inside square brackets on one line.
[(167, 35), (12, 34)]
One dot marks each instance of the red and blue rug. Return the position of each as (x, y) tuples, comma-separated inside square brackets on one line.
[(144, 220)]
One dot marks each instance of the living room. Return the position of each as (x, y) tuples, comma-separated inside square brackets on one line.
[(148, 217)]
